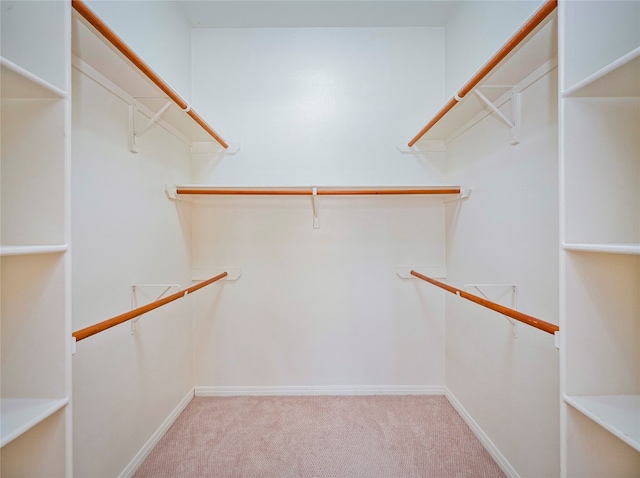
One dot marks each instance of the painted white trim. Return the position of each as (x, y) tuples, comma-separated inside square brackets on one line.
[(320, 390), (155, 438), (493, 450)]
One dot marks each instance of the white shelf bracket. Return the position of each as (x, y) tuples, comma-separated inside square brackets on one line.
[(514, 300), (314, 199), (134, 298), (514, 123), (135, 135), (172, 192)]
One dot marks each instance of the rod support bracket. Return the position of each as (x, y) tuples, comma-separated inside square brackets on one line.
[(512, 123), (134, 134)]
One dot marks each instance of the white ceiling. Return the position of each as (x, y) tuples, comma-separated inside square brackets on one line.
[(316, 13)]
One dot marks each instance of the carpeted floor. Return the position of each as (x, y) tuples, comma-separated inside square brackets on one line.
[(356, 436)]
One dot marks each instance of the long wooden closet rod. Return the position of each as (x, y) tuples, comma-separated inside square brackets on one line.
[(514, 314), (81, 7), (112, 322), (319, 192), (508, 47)]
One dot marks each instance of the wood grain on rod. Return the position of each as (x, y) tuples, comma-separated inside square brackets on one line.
[(112, 322), (81, 7), (542, 13), (321, 192), (527, 319)]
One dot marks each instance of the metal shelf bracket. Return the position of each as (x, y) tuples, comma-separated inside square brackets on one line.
[(512, 123), (505, 287), (314, 199), (133, 113), (140, 289)]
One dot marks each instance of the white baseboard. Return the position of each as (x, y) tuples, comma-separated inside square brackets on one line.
[(155, 438), (499, 458), (320, 390)]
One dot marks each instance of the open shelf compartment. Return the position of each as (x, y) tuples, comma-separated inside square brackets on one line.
[(21, 414)]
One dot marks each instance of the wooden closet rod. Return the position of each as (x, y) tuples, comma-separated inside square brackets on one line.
[(112, 322), (81, 7), (514, 314), (514, 41), (320, 192)]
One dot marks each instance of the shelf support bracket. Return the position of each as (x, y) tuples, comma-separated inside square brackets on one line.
[(134, 298), (514, 300), (135, 135), (314, 198), (512, 124)]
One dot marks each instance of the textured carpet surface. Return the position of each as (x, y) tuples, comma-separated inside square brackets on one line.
[(361, 436)]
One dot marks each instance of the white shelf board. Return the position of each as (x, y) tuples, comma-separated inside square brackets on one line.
[(27, 250), (20, 414), (629, 248), (90, 47), (20, 83), (619, 414), (619, 79), (518, 69)]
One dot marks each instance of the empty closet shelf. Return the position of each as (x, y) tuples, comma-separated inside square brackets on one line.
[(21, 414), (524, 58), (619, 414)]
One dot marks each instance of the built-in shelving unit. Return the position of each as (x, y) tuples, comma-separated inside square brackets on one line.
[(600, 227), (35, 418), (535, 56)]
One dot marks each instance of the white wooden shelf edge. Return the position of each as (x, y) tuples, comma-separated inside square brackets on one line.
[(603, 72), (36, 80), (613, 248), (618, 414), (21, 414), (27, 250)]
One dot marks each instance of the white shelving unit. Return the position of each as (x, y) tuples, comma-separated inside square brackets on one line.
[(600, 258), (35, 419)]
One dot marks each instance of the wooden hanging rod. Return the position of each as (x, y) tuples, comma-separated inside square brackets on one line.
[(514, 314), (112, 322), (320, 192), (544, 11), (81, 7)]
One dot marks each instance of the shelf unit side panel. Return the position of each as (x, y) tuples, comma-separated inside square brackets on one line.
[(602, 170), (597, 33), (33, 327), (33, 172), (603, 326), (32, 38)]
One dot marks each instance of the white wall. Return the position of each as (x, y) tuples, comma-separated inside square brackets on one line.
[(507, 233), (125, 232), (318, 105), (319, 307), (475, 31), (158, 32)]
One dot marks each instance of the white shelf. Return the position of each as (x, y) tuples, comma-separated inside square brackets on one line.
[(96, 58), (19, 415), (620, 78), (20, 83), (608, 248), (535, 57), (28, 250), (619, 414)]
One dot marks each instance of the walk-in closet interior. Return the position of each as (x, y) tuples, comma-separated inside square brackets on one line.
[(354, 197)]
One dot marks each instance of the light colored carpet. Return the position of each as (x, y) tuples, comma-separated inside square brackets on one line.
[(326, 436)]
